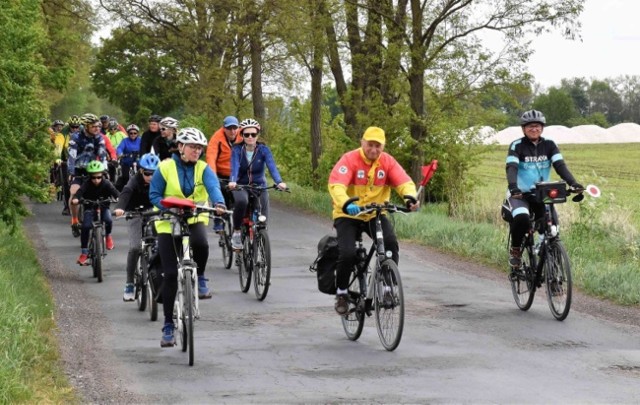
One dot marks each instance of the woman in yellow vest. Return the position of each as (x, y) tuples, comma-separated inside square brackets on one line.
[(184, 175)]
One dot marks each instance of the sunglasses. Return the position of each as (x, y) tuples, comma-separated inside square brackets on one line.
[(96, 177), (75, 126), (133, 133), (163, 129), (250, 134), (232, 127), (147, 173)]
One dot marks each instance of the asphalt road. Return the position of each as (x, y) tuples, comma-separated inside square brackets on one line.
[(464, 340)]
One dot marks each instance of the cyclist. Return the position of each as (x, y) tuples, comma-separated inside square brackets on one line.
[(128, 152), (150, 135), (136, 195), (249, 160), (529, 160), (58, 140), (97, 188), (72, 128), (219, 157), (165, 145), (184, 175), (90, 135), (104, 124), (369, 173), (115, 136)]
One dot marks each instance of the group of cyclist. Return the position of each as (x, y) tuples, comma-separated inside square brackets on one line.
[(170, 166)]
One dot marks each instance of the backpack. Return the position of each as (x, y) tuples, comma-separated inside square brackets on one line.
[(325, 264)]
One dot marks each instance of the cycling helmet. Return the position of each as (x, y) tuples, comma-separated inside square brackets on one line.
[(74, 120), (113, 124), (89, 119), (532, 116), (191, 136), (169, 122), (155, 118), (149, 161), (58, 122), (95, 166), (134, 127), (104, 118), (249, 123)]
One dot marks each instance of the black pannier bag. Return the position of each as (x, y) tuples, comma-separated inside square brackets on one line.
[(325, 264)]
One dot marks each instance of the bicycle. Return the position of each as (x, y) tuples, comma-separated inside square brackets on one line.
[(255, 256), (376, 286), (186, 309), (225, 239), (547, 261), (97, 244), (144, 291)]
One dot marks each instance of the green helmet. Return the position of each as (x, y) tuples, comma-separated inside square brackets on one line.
[(95, 166), (89, 119)]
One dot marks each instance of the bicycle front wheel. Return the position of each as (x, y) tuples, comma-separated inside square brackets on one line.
[(523, 284), (353, 321), (262, 264), (188, 315), (140, 280), (558, 281), (225, 244), (388, 300), (96, 260), (245, 263)]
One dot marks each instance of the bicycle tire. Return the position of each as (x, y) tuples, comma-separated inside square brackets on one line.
[(353, 321), (188, 315), (262, 264), (523, 285), (140, 279), (152, 304), (91, 250), (244, 266), (225, 244), (388, 298), (558, 280), (96, 261)]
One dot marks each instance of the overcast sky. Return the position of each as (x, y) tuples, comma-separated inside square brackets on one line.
[(610, 45)]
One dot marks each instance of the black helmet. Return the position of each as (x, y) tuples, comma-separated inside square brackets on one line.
[(155, 118), (104, 118), (532, 116)]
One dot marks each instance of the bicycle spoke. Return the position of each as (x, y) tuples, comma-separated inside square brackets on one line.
[(558, 280), (389, 304)]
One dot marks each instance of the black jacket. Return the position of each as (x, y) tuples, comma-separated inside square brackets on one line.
[(146, 140), (89, 191), (135, 194)]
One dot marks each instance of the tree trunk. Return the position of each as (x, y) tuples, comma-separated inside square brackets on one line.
[(255, 49)]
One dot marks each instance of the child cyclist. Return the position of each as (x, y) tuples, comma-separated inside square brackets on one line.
[(133, 196), (96, 187)]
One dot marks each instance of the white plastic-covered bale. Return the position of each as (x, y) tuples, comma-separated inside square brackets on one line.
[(560, 134), (592, 134), (626, 132), (508, 135)]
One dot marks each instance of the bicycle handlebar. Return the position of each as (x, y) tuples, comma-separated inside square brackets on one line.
[(385, 206), (256, 187), (96, 202)]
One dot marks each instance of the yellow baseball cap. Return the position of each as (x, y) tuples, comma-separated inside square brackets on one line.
[(374, 134)]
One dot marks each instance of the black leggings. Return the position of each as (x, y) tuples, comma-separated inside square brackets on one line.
[(347, 229), (168, 246)]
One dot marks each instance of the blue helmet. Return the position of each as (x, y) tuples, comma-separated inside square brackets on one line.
[(149, 161)]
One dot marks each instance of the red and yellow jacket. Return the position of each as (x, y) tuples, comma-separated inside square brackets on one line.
[(356, 176), (219, 153)]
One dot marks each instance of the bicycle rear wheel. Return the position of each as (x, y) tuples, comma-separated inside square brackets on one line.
[(245, 264), (188, 315), (225, 244), (388, 299), (96, 260), (262, 264), (523, 284), (140, 280), (353, 321), (558, 281)]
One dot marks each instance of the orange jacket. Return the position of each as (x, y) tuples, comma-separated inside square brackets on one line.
[(219, 153)]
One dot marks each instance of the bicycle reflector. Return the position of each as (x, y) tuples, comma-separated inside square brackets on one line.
[(551, 192)]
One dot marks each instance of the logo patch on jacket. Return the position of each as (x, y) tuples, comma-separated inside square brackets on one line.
[(360, 174), (381, 174), (343, 170)]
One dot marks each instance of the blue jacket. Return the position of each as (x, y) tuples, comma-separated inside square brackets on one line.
[(186, 178), (126, 147), (244, 171)]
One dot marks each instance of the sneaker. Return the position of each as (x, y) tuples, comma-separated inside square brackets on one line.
[(236, 241), (75, 230), (66, 212), (168, 339), (83, 259), (203, 291), (515, 257), (129, 294), (342, 304), (109, 242)]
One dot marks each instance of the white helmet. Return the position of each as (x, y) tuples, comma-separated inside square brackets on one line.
[(191, 136), (249, 123), (169, 122)]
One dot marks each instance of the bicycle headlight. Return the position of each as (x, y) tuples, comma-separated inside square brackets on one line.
[(388, 254), (262, 218)]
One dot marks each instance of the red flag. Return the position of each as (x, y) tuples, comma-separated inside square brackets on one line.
[(428, 171)]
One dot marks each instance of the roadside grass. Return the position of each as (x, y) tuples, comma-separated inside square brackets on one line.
[(601, 235), (29, 370)]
